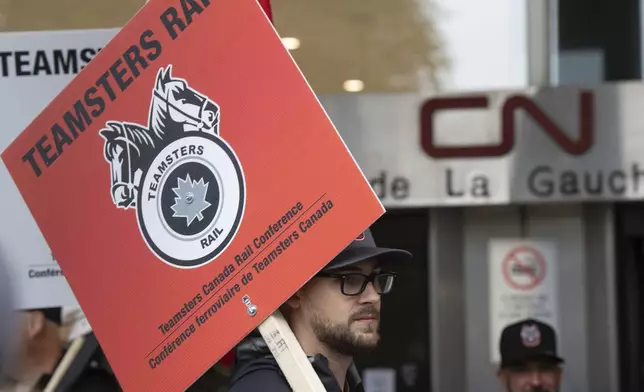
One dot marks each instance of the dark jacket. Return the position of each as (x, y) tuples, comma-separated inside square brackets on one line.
[(92, 375), (257, 370)]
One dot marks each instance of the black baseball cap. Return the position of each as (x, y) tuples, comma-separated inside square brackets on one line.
[(364, 247), (528, 340), (52, 314)]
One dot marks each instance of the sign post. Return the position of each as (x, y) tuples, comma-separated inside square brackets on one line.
[(289, 355), (189, 182)]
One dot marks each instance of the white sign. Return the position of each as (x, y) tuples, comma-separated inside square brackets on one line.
[(34, 68), (522, 283), (561, 144), (379, 380)]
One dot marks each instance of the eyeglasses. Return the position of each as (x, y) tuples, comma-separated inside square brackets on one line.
[(539, 367), (354, 283)]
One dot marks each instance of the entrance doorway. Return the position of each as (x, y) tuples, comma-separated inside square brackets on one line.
[(630, 286), (404, 348)]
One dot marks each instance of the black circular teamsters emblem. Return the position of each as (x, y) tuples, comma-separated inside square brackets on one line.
[(191, 200), (189, 205), (183, 179)]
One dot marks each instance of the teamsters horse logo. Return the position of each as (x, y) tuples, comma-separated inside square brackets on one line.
[(183, 179)]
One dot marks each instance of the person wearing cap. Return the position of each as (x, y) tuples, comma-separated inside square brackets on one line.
[(8, 326), (38, 345), (41, 348), (529, 358), (334, 316)]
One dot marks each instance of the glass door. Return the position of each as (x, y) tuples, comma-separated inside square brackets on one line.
[(404, 350)]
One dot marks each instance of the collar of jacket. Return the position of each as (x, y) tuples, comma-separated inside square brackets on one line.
[(255, 348)]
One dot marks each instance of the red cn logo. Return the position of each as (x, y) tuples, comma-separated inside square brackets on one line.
[(512, 105)]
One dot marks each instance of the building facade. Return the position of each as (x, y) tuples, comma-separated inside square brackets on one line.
[(468, 158)]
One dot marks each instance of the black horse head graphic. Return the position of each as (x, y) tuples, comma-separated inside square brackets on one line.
[(175, 109)]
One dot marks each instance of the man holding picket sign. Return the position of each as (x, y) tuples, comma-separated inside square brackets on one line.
[(334, 317), (189, 190)]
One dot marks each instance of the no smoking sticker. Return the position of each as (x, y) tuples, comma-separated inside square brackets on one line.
[(523, 282), (524, 268)]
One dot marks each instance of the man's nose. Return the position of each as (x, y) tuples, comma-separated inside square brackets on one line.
[(370, 294), (535, 379)]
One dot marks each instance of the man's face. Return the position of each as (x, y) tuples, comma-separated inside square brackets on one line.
[(536, 376), (38, 348), (346, 324)]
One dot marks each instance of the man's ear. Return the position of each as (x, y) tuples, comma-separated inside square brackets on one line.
[(35, 324), (502, 376), (295, 301)]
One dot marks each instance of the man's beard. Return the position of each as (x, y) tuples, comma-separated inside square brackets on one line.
[(345, 341)]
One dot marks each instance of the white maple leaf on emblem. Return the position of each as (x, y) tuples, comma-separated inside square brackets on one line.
[(190, 202)]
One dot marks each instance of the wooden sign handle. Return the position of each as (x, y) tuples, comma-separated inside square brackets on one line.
[(64, 365), (289, 354)]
